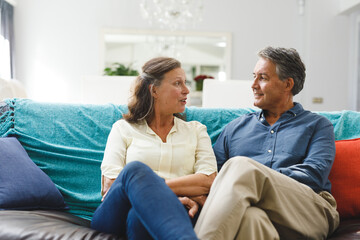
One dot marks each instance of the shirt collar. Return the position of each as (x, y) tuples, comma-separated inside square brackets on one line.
[(295, 110), (173, 129)]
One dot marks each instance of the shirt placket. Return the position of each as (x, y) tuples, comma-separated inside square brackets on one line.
[(271, 144), (166, 157)]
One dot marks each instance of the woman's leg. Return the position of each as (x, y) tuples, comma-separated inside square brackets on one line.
[(153, 202), (135, 228), (111, 215)]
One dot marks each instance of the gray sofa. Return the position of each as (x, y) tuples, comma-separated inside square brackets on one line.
[(66, 141)]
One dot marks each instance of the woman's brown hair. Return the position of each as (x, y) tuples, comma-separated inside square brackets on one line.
[(141, 104)]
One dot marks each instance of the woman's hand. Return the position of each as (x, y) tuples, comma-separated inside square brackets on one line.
[(191, 185), (190, 204), (106, 184)]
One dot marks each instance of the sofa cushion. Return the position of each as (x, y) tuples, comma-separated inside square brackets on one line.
[(345, 177), (348, 229), (67, 142), (23, 184)]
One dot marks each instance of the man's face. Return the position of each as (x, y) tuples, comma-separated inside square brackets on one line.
[(268, 89)]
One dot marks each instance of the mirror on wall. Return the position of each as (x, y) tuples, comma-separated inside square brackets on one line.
[(199, 52)]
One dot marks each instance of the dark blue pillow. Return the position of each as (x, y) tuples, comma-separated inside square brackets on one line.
[(23, 185)]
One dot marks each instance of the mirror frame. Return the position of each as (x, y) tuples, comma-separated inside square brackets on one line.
[(226, 35)]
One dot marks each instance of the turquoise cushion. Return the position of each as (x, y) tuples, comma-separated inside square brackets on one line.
[(23, 184)]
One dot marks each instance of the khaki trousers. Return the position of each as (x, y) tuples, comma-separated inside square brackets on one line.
[(251, 201)]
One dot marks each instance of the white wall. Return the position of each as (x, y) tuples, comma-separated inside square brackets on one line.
[(327, 51), (347, 6), (58, 41)]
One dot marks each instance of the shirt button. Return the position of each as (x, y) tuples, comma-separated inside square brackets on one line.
[(272, 131), (269, 151)]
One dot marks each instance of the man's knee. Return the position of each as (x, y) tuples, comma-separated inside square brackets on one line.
[(238, 161), (248, 164)]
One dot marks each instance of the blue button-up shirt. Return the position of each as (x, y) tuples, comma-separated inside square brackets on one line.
[(301, 144)]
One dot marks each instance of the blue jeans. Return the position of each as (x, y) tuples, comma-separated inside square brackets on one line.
[(140, 205)]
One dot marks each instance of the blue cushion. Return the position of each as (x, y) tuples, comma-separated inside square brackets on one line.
[(23, 185)]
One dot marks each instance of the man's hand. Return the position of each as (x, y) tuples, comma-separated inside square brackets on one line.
[(200, 199), (190, 204)]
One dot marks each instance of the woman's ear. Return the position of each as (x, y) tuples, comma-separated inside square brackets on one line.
[(152, 90)]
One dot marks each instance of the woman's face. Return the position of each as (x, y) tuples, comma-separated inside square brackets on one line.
[(171, 95)]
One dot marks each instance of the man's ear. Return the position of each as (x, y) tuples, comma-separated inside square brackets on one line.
[(289, 84)]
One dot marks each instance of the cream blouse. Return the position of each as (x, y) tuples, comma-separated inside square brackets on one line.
[(187, 149)]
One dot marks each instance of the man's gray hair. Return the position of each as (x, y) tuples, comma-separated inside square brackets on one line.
[(288, 65)]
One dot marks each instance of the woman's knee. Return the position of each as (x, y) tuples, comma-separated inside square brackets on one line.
[(134, 168), (130, 172), (137, 174)]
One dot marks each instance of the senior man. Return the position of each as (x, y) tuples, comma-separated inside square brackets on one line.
[(274, 163)]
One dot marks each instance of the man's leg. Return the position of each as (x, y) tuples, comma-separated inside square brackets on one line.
[(256, 225), (154, 203), (294, 209)]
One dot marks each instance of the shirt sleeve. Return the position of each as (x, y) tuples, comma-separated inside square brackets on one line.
[(315, 168), (115, 151), (221, 149), (205, 161)]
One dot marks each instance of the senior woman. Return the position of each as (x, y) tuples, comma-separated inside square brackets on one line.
[(155, 163)]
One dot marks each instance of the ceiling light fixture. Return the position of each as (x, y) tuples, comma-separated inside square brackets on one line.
[(172, 14)]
